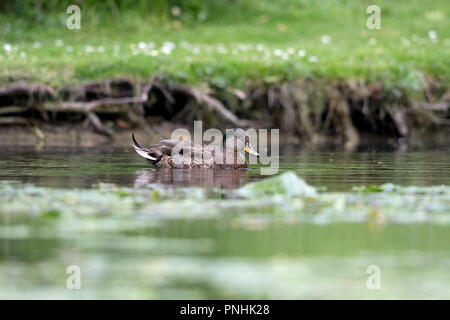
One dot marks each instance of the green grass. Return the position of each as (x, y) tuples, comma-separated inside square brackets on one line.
[(227, 42)]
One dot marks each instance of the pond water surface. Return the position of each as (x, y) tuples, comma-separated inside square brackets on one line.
[(337, 171), (167, 256)]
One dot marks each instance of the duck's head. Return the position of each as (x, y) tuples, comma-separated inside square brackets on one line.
[(237, 140)]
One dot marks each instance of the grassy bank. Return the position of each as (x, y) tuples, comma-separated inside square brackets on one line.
[(227, 43), (312, 69)]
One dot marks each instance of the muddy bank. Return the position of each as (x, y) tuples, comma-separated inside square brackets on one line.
[(315, 111)]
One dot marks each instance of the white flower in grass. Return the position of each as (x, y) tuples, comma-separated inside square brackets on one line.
[(142, 45), (243, 47), (188, 59), (281, 54), (23, 54), (372, 41), (278, 52), (101, 49), (89, 49), (69, 49), (290, 50), (432, 35), (221, 49), (325, 39), (36, 44), (166, 50), (7, 47), (260, 47), (301, 53), (313, 59), (59, 43), (176, 11), (154, 53), (167, 47)]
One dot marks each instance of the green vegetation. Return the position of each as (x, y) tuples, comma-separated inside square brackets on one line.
[(299, 203), (170, 243), (226, 42), (136, 232)]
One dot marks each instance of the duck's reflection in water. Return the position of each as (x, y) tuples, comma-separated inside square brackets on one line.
[(208, 178)]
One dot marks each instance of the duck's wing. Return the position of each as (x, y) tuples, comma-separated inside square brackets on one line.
[(167, 146)]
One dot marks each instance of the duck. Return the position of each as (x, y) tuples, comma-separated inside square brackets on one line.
[(179, 154)]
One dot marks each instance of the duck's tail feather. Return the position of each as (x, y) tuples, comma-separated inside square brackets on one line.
[(144, 152)]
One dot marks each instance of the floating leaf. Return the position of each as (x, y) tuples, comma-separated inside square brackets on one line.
[(286, 184)]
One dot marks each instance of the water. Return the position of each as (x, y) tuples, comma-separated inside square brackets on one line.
[(337, 171), (229, 254)]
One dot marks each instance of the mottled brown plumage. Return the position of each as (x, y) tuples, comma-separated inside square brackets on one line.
[(181, 154)]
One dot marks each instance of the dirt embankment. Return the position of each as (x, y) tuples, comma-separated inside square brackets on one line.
[(312, 110)]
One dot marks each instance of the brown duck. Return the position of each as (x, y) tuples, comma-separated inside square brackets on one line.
[(182, 154)]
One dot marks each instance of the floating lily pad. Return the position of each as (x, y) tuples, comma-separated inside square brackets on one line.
[(286, 184)]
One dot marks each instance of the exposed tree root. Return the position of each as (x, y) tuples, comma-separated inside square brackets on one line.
[(305, 108), (32, 93), (13, 120), (213, 104), (12, 109), (350, 134), (98, 125)]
